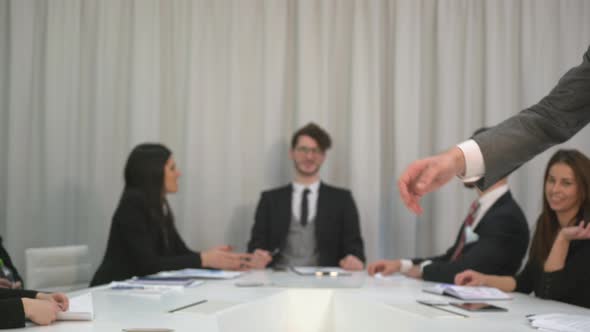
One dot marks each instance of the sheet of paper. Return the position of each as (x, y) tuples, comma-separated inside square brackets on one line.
[(81, 308), (561, 322), (201, 274)]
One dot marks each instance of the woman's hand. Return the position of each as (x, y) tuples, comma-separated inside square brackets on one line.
[(40, 312), (59, 298), (226, 260), (470, 278), (579, 232)]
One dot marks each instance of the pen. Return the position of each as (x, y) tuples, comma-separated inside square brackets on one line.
[(187, 306), (127, 287), (275, 252)]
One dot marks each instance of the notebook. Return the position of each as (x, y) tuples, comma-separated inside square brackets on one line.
[(468, 293)]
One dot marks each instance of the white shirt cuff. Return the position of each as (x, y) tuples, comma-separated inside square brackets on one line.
[(424, 264), (406, 265), (474, 165)]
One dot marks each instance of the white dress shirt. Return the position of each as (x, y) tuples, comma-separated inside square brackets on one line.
[(312, 200), (474, 163)]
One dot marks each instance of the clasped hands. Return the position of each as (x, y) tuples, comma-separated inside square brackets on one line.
[(43, 309), (5, 283), (261, 258)]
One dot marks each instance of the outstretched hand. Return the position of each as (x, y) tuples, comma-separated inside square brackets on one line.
[(426, 175)]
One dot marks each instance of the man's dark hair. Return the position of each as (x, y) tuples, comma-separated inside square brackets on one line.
[(316, 132)]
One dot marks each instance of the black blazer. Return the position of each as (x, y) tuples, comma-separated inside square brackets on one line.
[(336, 223), (8, 262), (136, 247), (570, 284), (11, 307), (503, 239)]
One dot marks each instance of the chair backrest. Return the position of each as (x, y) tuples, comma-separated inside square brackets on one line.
[(57, 269)]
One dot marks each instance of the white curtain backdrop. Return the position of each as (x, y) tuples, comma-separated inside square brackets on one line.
[(225, 83)]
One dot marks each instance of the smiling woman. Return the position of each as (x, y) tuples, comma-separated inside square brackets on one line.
[(558, 267)]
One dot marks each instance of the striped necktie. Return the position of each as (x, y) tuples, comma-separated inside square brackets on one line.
[(468, 222)]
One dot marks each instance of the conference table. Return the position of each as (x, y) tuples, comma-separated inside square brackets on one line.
[(267, 300)]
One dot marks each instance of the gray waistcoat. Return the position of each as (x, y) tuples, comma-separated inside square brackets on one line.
[(300, 248)]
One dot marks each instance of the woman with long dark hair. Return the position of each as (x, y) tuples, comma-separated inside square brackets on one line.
[(143, 238), (558, 266)]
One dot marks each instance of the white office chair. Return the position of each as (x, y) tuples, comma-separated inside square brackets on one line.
[(57, 269)]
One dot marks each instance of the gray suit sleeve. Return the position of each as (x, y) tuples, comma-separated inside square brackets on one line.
[(555, 119)]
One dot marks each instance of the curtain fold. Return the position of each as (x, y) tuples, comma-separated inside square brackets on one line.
[(225, 83)]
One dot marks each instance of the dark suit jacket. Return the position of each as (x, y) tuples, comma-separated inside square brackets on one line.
[(556, 118), (336, 223), (503, 240), (11, 307), (570, 284), (136, 247), (8, 262)]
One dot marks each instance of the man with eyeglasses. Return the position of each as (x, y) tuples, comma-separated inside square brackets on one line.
[(307, 222)]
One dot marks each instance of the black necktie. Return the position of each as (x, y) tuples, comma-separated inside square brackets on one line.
[(304, 210)]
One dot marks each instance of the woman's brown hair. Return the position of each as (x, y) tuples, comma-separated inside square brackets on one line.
[(547, 224)]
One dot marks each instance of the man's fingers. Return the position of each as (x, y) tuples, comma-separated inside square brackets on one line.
[(407, 185)]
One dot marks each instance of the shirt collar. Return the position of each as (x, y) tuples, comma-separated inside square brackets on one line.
[(487, 200), (314, 187), (491, 197)]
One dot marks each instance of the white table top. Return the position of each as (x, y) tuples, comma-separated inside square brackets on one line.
[(289, 302)]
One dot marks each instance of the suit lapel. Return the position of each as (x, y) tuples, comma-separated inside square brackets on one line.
[(285, 214), (500, 201), (320, 211)]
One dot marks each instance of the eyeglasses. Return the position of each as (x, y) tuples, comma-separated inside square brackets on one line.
[(306, 150)]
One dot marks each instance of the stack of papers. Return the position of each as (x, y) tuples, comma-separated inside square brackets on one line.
[(468, 293), (155, 286), (199, 274), (157, 280), (560, 322), (81, 308)]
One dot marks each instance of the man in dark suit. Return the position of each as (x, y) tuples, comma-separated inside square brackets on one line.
[(17, 281), (496, 153), (495, 242), (493, 238), (307, 222)]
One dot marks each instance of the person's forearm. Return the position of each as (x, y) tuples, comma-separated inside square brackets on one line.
[(503, 283), (556, 259), (458, 160)]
